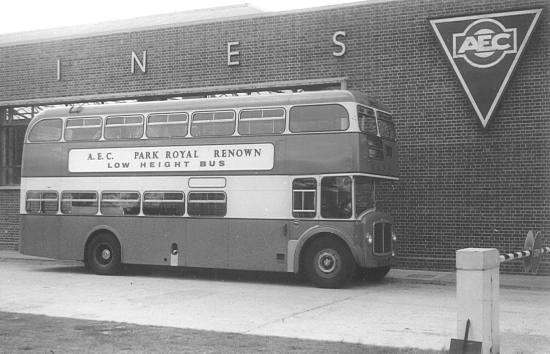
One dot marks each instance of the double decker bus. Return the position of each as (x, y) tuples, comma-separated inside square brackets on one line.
[(278, 182)]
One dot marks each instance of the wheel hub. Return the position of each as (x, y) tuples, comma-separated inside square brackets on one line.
[(106, 254), (327, 262)]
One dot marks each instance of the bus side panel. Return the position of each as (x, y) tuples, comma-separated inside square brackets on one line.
[(148, 240), (294, 154), (206, 243), (316, 153), (48, 159), (40, 236), (388, 166), (256, 244)]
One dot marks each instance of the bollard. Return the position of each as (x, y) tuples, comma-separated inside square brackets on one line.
[(477, 292)]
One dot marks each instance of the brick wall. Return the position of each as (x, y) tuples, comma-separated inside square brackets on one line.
[(461, 185), (10, 224)]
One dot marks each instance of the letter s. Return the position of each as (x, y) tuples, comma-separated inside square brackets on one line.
[(338, 43)]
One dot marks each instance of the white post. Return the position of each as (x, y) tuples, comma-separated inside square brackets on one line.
[(477, 291)]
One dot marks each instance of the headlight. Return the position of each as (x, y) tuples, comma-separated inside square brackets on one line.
[(369, 238), (393, 236)]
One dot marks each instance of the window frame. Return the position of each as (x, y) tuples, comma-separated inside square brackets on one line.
[(35, 125), (299, 214), (41, 200), (375, 116), (351, 201), (290, 121), (101, 202), (189, 203), (388, 121), (147, 125), (262, 119), (193, 122), (79, 191), (355, 199), (66, 127), (106, 126), (160, 201)]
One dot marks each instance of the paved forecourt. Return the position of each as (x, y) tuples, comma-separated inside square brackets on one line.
[(392, 313)]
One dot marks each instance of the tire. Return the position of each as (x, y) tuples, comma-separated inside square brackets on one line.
[(103, 254), (375, 274), (328, 263)]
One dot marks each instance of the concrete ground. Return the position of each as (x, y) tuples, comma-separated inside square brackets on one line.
[(408, 309)]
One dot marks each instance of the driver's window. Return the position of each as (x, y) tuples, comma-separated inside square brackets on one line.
[(336, 197)]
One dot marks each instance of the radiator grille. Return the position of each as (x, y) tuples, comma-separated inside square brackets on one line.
[(382, 238)]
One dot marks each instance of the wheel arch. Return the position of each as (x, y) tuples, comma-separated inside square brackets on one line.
[(99, 230), (309, 236)]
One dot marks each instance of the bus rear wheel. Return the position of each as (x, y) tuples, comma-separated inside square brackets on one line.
[(329, 263), (103, 254)]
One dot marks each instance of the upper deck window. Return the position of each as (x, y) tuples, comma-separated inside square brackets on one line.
[(124, 127), (262, 121), (367, 120), (83, 129), (167, 125), (318, 118), (385, 125), (215, 123), (46, 130)]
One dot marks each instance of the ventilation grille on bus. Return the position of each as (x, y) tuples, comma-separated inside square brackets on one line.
[(382, 238)]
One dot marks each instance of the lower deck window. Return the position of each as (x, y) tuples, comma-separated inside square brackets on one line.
[(79, 203), (304, 191), (207, 204), (39, 202), (120, 203), (163, 203)]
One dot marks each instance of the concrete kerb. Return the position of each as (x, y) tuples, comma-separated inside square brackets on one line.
[(507, 281)]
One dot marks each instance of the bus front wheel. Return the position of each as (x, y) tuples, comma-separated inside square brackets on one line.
[(329, 263), (103, 254)]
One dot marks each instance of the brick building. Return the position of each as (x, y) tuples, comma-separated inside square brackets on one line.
[(462, 184)]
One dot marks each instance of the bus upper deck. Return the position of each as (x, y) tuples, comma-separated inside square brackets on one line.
[(311, 132)]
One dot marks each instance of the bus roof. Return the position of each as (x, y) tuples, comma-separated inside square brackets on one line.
[(268, 100)]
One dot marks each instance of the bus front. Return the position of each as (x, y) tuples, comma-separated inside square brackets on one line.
[(378, 159)]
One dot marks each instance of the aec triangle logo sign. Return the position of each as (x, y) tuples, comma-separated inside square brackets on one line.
[(484, 50)]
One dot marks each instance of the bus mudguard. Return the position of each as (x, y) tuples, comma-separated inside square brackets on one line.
[(102, 228), (295, 246)]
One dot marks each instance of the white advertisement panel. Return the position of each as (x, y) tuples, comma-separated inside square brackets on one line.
[(237, 157)]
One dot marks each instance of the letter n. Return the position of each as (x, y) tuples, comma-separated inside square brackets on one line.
[(141, 63)]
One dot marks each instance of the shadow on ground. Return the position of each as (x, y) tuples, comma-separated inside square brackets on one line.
[(245, 276)]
